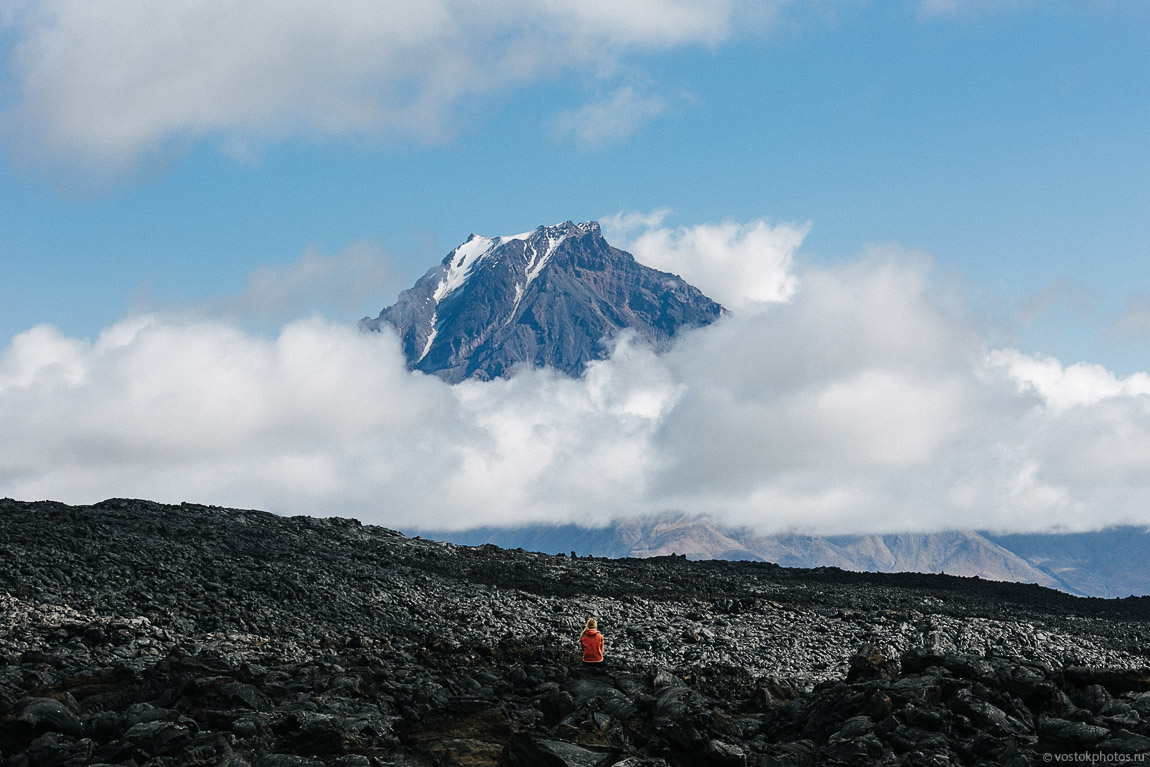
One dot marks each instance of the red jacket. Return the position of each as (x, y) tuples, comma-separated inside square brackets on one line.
[(592, 642)]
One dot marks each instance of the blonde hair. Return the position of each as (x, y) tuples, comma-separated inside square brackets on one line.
[(591, 625)]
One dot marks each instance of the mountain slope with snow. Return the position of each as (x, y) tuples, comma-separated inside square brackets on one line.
[(546, 298)]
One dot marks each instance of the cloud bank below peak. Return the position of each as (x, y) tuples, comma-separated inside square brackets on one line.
[(862, 398)]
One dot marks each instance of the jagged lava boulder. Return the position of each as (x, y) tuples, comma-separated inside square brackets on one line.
[(547, 298)]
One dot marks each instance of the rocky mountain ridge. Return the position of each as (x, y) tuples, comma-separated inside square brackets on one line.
[(1109, 563), (138, 633), (550, 297)]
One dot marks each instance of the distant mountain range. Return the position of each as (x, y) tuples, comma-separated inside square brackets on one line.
[(1110, 563), (546, 298)]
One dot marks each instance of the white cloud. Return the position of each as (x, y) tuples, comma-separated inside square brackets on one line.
[(105, 84), (1062, 387), (956, 8), (733, 263), (609, 120), (861, 375), (865, 402), (626, 224)]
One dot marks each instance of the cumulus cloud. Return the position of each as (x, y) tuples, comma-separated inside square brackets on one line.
[(867, 401), (104, 84), (734, 263), (1060, 387)]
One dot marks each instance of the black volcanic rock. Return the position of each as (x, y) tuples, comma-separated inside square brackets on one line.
[(550, 297), (137, 633)]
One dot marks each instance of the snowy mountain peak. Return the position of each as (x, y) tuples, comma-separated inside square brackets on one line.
[(537, 247), (547, 297)]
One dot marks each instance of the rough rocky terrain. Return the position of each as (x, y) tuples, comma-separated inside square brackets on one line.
[(137, 633)]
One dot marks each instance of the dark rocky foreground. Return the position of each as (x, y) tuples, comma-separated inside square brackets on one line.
[(136, 633)]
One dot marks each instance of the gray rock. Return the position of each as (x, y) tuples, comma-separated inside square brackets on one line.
[(1125, 742), (41, 715), (286, 760), (54, 749), (1092, 697), (534, 751), (1063, 733), (871, 663)]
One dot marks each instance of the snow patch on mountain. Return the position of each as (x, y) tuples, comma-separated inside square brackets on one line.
[(430, 336), (536, 263), (463, 259), (477, 248)]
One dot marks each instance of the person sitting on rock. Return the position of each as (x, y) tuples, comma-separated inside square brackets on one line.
[(592, 643)]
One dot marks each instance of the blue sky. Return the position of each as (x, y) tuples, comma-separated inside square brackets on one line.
[(1008, 140), (253, 163)]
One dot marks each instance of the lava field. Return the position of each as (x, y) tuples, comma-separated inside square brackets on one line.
[(135, 633)]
